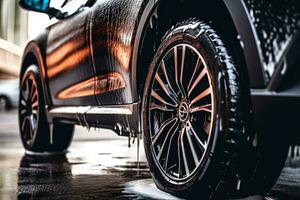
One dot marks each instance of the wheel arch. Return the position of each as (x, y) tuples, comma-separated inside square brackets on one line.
[(157, 19), (32, 55)]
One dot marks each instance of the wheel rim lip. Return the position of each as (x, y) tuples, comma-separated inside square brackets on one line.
[(28, 137), (169, 177)]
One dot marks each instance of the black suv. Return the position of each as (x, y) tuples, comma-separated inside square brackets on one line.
[(212, 86)]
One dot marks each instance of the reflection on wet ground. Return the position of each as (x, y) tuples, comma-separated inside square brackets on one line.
[(97, 166), (43, 177), (288, 184), (55, 177)]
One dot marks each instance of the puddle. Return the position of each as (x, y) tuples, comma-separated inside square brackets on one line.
[(146, 189)]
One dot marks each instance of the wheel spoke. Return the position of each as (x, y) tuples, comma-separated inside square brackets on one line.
[(206, 108), (182, 67), (159, 98), (27, 89), (32, 122), (35, 94), (179, 157), (23, 103), (169, 147), (176, 69), (165, 141), (194, 72), (163, 66), (35, 104), (32, 90), (23, 123), (23, 111), (162, 127), (30, 127), (155, 106), (191, 129), (24, 96), (203, 94), (176, 65), (195, 157), (198, 79), (34, 112), (163, 86), (186, 167)]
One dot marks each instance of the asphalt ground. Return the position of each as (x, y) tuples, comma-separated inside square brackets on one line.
[(98, 165)]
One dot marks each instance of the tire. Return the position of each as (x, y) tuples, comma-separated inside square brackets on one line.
[(36, 134), (219, 170)]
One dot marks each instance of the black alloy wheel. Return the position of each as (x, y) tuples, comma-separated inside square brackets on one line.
[(29, 109), (35, 130), (192, 117), (181, 109)]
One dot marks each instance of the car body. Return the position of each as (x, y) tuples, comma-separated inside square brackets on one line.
[(94, 61), (85, 64)]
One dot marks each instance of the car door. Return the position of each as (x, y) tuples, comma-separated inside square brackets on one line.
[(113, 25), (68, 58)]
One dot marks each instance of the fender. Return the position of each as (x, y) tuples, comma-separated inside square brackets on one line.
[(248, 37), (146, 14), (36, 48), (243, 25)]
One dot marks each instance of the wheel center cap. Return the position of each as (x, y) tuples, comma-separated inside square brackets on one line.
[(183, 111)]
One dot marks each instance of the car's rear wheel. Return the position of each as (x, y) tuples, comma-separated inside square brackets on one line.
[(193, 121), (36, 134)]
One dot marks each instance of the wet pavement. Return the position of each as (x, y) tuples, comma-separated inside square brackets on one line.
[(98, 165)]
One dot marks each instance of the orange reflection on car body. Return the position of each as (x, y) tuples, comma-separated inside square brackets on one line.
[(122, 55), (95, 85), (56, 57), (71, 61)]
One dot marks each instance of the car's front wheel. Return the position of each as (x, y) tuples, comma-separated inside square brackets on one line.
[(36, 133), (193, 121)]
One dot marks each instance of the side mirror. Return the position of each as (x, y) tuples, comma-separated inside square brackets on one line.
[(35, 5), (42, 6)]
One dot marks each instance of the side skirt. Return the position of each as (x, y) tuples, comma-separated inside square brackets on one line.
[(277, 111), (123, 119)]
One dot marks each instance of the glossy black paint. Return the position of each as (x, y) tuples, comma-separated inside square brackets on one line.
[(115, 36), (248, 40), (68, 57), (113, 28)]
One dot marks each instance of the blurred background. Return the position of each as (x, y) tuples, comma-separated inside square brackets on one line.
[(16, 28)]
